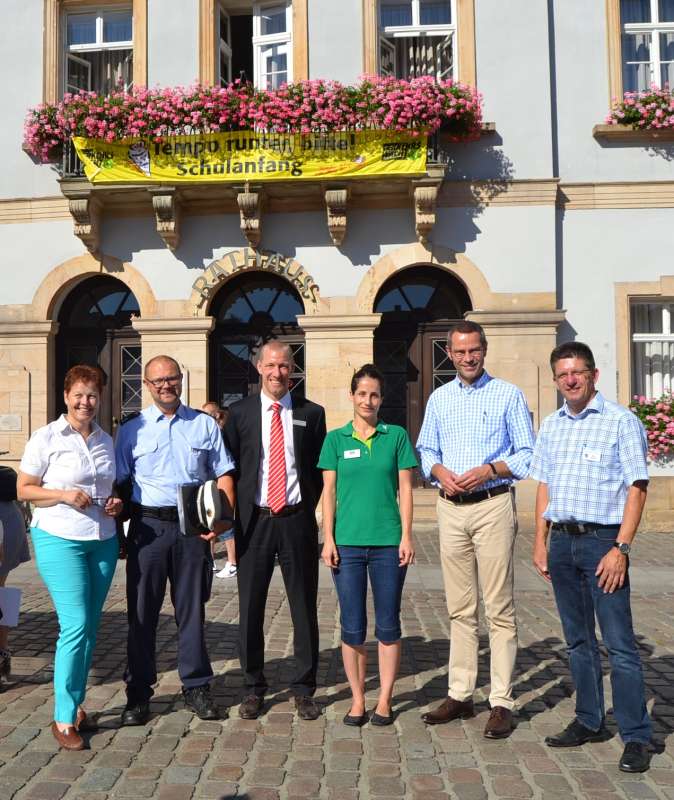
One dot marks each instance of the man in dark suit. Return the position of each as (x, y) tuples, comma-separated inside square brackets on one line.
[(275, 441)]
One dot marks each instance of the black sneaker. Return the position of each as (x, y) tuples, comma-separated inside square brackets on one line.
[(200, 701)]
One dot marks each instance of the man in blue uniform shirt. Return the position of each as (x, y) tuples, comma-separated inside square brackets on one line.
[(590, 459), (164, 447), (475, 441)]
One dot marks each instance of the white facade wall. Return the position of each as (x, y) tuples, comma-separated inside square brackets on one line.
[(336, 39), (172, 42)]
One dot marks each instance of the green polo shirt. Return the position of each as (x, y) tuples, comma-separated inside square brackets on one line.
[(367, 512)]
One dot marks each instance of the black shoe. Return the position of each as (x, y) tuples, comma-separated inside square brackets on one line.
[(381, 721), (635, 758), (136, 713), (251, 706), (307, 707), (355, 721), (199, 700), (576, 734)]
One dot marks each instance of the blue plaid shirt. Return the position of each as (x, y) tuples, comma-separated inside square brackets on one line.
[(589, 461), (469, 425)]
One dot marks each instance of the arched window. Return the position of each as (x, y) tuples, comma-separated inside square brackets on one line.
[(417, 305), (95, 328), (250, 309)]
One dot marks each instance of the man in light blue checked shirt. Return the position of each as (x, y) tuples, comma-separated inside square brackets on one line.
[(476, 439), (590, 459)]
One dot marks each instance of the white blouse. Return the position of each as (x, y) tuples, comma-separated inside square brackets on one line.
[(63, 459)]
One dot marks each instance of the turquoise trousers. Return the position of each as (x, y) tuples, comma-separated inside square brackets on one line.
[(78, 576)]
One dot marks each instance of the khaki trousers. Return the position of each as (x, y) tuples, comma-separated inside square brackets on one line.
[(476, 545)]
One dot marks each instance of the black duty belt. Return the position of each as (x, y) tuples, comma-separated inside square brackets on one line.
[(286, 511), (579, 528), (164, 513), (475, 497)]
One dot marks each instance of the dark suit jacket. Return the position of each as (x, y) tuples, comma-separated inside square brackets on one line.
[(243, 437)]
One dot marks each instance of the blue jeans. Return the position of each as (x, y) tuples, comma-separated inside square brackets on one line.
[(573, 561), (386, 578), (78, 575)]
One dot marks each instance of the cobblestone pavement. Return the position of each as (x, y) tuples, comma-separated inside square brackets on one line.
[(177, 757)]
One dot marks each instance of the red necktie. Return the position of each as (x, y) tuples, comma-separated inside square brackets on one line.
[(276, 486)]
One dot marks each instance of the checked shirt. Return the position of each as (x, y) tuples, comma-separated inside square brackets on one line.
[(469, 425), (589, 461)]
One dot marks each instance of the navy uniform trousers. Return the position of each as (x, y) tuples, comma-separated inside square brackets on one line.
[(157, 552)]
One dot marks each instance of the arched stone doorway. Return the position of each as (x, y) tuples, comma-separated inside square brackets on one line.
[(95, 328), (417, 305), (248, 309)]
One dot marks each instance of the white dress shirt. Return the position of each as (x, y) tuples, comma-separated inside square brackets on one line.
[(293, 493), (63, 459)]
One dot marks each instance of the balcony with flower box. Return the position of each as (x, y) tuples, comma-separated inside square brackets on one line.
[(426, 115)]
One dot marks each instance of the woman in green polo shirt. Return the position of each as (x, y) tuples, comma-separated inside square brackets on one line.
[(366, 466)]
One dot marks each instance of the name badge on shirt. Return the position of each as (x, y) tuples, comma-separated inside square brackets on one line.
[(352, 454), (301, 422), (591, 455)]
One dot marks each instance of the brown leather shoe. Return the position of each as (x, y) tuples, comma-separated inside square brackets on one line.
[(85, 723), (68, 739), (251, 706), (500, 723), (448, 710)]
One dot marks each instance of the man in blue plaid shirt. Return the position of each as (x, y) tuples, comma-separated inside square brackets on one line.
[(476, 439), (590, 459)]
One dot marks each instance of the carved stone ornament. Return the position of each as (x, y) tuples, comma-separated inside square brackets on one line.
[(86, 212), (336, 201), (250, 212), (167, 212), (425, 198)]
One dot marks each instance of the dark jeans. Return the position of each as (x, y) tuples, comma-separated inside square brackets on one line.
[(573, 561), (386, 578), (156, 553), (295, 540)]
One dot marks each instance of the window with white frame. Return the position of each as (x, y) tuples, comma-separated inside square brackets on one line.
[(417, 37), (255, 42), (647, 43), (652, 331), (98, 52)]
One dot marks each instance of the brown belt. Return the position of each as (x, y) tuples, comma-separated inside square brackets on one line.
[(475, 497)]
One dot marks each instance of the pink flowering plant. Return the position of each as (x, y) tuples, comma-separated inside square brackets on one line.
[(651, 110), (657, 416), (420, 105)]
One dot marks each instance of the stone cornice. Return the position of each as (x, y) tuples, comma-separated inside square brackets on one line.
[(199, 201), (185, 326), (338, 326)]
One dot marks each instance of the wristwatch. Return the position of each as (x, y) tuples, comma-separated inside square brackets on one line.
[(624, 547)]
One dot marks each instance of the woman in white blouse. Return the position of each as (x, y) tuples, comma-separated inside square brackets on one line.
[(67, 472)]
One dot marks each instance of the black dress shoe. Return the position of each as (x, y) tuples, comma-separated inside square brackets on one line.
[(251, 706), (199, 700), (355, 721), (635, 758), (576, 734), (380, 720), (136, 713), (307, 707)]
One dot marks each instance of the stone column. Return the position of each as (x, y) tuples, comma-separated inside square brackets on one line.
[(26, 382), (186, 340), (335, 346)]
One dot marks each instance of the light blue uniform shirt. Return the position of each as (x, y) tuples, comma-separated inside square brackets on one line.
[(466, 425), (161, 454), (589, 461)]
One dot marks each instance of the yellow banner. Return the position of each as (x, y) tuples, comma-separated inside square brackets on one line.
[(247, 156)]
